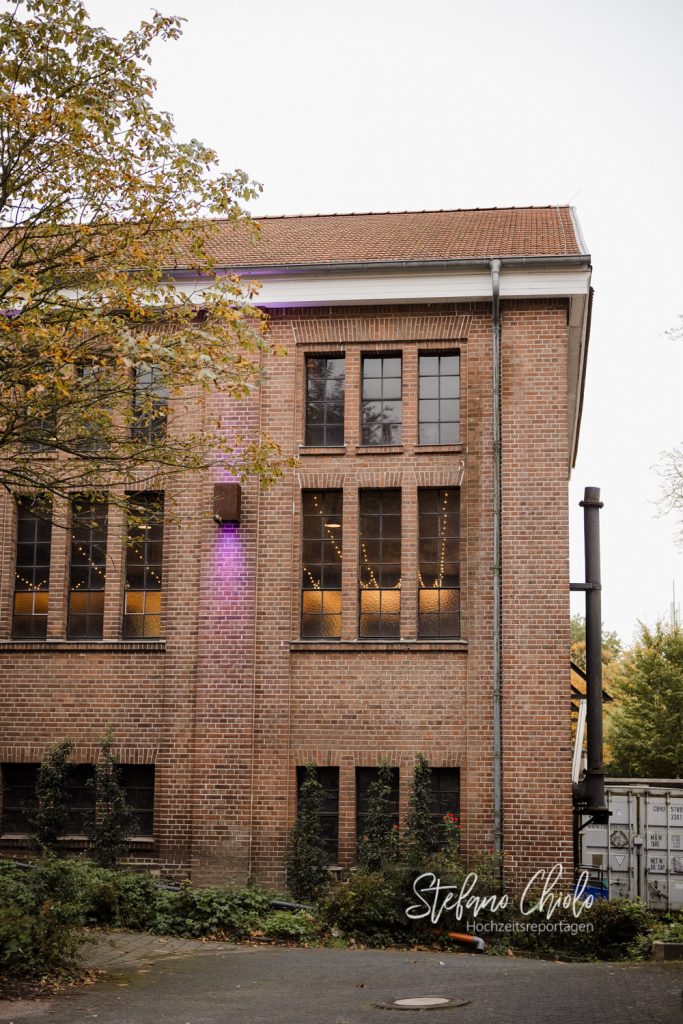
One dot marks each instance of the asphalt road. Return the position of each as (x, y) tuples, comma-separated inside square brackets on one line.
[(181, 982)]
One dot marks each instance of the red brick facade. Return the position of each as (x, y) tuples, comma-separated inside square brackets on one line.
[(232, 699)]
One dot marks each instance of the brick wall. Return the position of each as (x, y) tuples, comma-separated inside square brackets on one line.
[(232, 700)]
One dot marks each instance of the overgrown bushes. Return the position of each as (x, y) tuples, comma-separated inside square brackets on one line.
[(41, 918), (307, 860), (45, 907)]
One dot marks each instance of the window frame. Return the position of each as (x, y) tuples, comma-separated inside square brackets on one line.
[(441, 616), (94, 572), (149, 411), (36, 621), (331, 597), (422, 398), (365, 439), (329, 818), (153, 501), (362, 795), (81, 794), (383, 566), (439, 791), (326, 403)]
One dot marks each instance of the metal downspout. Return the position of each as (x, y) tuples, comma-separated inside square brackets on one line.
[(497, 566)]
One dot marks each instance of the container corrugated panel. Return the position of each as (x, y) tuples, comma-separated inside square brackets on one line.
[(640, 851)]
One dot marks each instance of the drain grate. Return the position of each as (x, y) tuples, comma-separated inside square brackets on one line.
[(422, 1003)]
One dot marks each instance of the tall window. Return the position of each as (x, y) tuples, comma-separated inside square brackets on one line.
[(144, 551), (439, 568), (138, 782), (150, 404), (88, 568), (32, 573), (325, 400), (439, 399), (321, 564), (329, 813), (445, 787), (381, 400), (18, 797), (365, 777), (380, 563)]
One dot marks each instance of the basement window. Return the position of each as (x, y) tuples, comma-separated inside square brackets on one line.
[(19, 798)]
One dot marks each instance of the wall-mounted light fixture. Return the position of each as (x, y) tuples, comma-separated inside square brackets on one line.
[(227, 503)]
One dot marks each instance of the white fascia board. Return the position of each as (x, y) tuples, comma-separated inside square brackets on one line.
[(406, 285)]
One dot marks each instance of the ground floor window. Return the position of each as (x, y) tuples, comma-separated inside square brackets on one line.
[(364, 780), (19, 797), (445, 783), (329, 814)]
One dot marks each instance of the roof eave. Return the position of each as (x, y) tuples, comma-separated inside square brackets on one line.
[(479, 263)]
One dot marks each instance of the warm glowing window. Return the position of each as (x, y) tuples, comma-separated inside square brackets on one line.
[(381, 403), (144, 552), (440, 399), (325, 400), (380, 563), (32, 571), (439, 563), (88, 568), (321, 564)]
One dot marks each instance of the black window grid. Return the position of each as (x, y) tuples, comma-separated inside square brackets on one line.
[(380, 564), (381, 400), (365, 777), (88, 569), (445, 792), (32, 571), (19, 797), (439, 401), (144, 558), (325, 376), (329, 814), (439, 563), (322, 534), (150, 404)]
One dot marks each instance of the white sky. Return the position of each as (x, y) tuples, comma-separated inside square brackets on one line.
[(355, 105)]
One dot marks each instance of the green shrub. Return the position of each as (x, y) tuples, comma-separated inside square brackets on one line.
[(307, 861), (120, 899), (422, 835), (41, 919), (616, 925), (290, 926), (380, 844), (114, 819), (616, 929), (50, 816), (370, 907), (228, 912)]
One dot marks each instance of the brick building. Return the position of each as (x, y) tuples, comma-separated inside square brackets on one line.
[(349, 615)]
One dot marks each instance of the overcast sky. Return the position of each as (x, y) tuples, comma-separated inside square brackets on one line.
[(356, 105)]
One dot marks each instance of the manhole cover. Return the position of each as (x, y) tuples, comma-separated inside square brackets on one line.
[(422, 1003)]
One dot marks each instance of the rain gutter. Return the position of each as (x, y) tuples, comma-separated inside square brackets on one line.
[(495, 266)]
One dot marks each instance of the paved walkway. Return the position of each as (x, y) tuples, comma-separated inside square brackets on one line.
[(175, 981)]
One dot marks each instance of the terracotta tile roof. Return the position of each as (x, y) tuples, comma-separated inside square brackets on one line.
[(384, 237)]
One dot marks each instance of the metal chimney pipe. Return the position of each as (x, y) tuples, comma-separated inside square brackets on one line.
[(594, 782)]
